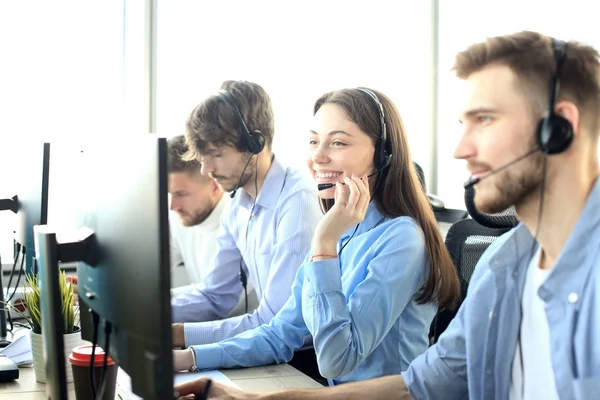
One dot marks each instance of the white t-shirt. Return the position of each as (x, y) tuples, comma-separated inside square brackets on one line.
[(532, 375), (194, 247)]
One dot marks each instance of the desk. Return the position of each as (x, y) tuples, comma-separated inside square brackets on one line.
[(259, 379)]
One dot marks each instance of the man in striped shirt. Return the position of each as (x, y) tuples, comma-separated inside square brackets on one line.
[(267, 227)]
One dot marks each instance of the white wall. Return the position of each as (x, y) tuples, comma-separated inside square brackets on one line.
[(60, 77), (463, 22), (296, 51), (73, 69)]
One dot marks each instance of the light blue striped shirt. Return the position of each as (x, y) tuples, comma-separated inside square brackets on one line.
[(359, 310), (279, 236)]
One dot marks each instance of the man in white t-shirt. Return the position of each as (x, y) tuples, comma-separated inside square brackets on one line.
[(196, 205), (529, 327)]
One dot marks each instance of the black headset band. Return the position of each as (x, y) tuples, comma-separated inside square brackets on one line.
[(379, 107), (228, 98), (382, 148), (559, 49)]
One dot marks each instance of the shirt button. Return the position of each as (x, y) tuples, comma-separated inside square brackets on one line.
[(573, 298)]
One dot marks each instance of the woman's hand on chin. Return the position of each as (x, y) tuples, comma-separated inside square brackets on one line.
[(351, 204)]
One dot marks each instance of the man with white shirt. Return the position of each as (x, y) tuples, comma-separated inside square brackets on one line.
[(529, 327), (196, 205)]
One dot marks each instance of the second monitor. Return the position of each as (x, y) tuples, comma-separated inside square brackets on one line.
[(124, 282)]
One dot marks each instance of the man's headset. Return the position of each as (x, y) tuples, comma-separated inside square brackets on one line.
[(253, 143), (382, 157), (554, 133)]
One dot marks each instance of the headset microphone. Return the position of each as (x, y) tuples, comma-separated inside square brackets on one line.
[(323, 186), (472, 180), (237, 185)]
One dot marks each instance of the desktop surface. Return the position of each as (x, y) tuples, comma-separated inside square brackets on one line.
[(258, 379)]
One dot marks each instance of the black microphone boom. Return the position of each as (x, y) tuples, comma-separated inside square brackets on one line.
[(473, 181), (323, 186), (237, 186)]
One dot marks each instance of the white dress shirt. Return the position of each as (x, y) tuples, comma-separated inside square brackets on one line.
[(194, 247)]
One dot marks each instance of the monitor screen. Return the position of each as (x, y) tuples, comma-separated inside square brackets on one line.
[(30, 186), (122, 197)]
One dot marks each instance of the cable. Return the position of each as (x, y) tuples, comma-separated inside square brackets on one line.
[(533, 245), (107, 331), (19, 276), (96, 322), (370, 200), (237, 185), (10, 321), (243, 276), (8, 298), (12, 272), (348, 241)]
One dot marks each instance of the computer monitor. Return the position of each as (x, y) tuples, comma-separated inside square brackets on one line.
[(123, 253), (30, 202), (30, 179)]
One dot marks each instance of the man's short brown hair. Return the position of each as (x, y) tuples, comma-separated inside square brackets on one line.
[(214, 121), (530, 56), (175, 161)]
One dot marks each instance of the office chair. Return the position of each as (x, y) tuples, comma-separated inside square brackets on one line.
[(444, 216), (466, 241)]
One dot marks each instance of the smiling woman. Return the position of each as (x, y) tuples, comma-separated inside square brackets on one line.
[(377, 270)]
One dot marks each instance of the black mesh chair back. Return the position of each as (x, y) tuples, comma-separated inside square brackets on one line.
[(466, 241)]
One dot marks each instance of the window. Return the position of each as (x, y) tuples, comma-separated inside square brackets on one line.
[(61, 80), (463, 22), (296, 51)]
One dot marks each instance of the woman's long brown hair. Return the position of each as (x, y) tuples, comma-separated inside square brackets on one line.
[(399, 191)]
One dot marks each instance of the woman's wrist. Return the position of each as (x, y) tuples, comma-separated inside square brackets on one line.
[(323, 250)]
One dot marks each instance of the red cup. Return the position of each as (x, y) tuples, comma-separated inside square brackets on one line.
[(80, 359)]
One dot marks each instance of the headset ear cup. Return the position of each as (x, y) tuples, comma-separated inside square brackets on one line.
[(382, 158), (387, 160), (255, 142), (555, 134)]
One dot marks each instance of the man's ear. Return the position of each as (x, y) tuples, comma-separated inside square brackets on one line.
[(569, 111), (215, 187)]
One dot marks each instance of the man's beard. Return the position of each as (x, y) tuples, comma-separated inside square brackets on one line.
[(249, 174), (513, 188), (197, 218)]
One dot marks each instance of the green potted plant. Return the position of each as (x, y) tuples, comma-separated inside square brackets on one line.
[(33, 316)]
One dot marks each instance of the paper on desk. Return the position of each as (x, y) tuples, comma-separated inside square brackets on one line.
[(19, 351), (124, 381)]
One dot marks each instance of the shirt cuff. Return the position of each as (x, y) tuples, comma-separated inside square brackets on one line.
[(323, 276), (194, 334), (208, 356)]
